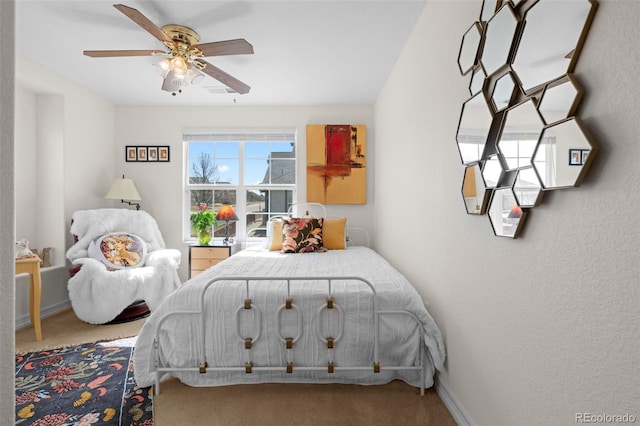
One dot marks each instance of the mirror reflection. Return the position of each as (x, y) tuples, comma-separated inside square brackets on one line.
[(562, 154), (522, 127), (488, 9), (527, 188), (474, 191), (500, 32), (469, 49), (559, 100), (503, 92), (475, 123), (552, 33), (492, 171), (505, 213), (477, 79)]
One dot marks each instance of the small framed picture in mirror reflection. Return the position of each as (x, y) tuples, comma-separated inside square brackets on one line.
[(575, 157)]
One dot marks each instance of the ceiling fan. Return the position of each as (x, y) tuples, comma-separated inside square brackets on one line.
[(185, 64)]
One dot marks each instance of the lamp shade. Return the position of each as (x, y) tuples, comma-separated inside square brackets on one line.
[(123, 189), (226, 212)]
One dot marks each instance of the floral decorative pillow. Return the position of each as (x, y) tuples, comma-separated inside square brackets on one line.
[(119, 250), (302, 235)]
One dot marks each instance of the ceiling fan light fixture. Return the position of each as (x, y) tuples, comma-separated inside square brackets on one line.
[(194, 76), (179, 65), (184, 66), (163, 67), (172, 82)]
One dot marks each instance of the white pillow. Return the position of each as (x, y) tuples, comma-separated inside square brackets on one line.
[(119, 250)]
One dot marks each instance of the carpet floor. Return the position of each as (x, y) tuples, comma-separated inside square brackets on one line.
[(395, 403), (66, 329)]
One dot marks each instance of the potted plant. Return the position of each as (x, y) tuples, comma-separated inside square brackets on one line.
[(203, 222)]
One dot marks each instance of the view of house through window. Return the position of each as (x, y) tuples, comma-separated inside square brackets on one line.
[(254, 172)]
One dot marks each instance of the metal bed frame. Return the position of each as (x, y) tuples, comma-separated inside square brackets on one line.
[(330, 340)]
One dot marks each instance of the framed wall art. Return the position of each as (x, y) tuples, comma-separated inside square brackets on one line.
[(336, 164), (147, 153)]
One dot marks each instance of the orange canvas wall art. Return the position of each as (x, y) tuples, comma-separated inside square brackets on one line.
[(336, 164)]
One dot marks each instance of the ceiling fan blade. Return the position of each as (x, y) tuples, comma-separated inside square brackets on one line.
[(238, 46), (224, 78), (143, 21), (116, 53)]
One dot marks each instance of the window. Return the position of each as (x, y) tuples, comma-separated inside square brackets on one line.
[(255, 172)]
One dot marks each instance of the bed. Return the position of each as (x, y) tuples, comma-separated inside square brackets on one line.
[(335, 316)]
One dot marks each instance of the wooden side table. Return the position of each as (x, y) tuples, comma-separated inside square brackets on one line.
[(31, 266), (203, 257)]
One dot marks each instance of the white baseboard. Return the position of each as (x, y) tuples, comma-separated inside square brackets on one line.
[(452, 403), (25, 320)]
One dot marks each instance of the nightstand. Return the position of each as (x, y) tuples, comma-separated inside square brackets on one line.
[(203, 257)]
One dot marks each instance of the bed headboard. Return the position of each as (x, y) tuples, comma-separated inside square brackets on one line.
[(307, 209), (357, 237), (353, 236)]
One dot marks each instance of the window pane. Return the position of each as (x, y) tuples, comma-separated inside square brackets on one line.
[(197, 149), (283, 171), (255, 201), (197, 197), (282, 147), (269, 163), (222, 196), (227, 171), (200, 162), (259, 202), (200, 196), (255, 172), (257, 150), (280, 200), (257, 225), (201, 169), (227, 149)]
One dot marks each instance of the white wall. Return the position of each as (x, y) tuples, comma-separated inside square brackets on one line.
[(64, 162), (160, 184), (546, 326)]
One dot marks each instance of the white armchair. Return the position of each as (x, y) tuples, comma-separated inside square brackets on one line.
[(99, 290)]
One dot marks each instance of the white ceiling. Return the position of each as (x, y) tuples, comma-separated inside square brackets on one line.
[(307, 52)]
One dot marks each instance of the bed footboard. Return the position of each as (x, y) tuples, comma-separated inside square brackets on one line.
[(327, 327)]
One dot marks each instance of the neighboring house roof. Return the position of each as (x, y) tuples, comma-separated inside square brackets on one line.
[(282, 168)]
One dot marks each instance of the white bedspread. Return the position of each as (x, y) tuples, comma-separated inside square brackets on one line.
[(181, 337)]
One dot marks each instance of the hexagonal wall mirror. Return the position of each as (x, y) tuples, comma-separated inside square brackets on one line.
[(518, 134), (516, 145), (559, 99), (563, 155), (469, 48), (474, 191), (473, 130), (503, 92), (505, 214), (551, 41), (499, 38), (492, 171), (527, 188), (477, 78)]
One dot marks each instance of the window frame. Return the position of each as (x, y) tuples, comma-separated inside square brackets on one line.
[(241, 136)]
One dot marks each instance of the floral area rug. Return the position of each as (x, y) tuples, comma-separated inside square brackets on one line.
[(81, 385)]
